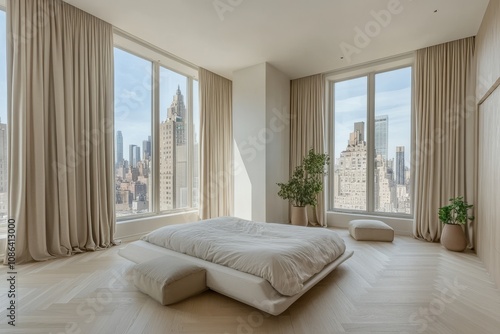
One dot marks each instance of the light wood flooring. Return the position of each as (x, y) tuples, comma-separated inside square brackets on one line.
[(407, 286)]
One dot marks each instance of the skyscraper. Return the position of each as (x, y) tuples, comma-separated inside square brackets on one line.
[(400, 165), (359, 128), (177, 113), (131, 156), (119, 148), (173, 156), (391, 194), (350, 172), (146, 148), (382, 135), (137, 156)]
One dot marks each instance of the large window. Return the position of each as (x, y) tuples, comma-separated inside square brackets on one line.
[(156, 137), (372, 142), (133, 110), (3, 125)]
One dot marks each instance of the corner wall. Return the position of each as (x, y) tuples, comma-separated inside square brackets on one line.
[(261, 96), (278, 142), (488, 182)]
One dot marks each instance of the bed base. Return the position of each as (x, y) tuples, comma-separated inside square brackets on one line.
[(246, 288)]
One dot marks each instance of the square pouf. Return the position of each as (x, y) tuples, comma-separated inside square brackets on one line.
[(370, 230), (169, 280)]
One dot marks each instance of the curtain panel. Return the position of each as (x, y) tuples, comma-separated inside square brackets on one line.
[(60, 62), (445, 110), (307, 97), (216, 145)]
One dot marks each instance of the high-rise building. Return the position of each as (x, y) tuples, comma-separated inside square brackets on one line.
[(350, 172), (146, 149), (131, 156), (137, 156), (382, 136), (359, 128), (173, 156), (400, 165), (119, 148), (350, 178), (385, 192), (177, 113)]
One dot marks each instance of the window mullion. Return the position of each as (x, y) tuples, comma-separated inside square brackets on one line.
[(190, 143), (156, 138), (331, 141), (370, 170)]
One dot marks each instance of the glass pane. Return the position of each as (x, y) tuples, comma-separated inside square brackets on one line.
[(174, 134), (393, 141), (196, 145), (133, 144), (349, 174), (3, 126)]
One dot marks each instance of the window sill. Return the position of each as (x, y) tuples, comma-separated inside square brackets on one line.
[(134, 228)]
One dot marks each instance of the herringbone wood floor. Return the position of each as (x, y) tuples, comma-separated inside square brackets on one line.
[(407, 286)]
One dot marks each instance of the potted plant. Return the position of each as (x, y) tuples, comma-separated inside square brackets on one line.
[(304, 185), (453, 216)]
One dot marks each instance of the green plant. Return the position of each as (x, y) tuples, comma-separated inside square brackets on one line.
[(456, 212), (306, 181)]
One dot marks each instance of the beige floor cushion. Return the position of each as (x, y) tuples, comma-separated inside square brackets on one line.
[(169, 280), (370, 230)]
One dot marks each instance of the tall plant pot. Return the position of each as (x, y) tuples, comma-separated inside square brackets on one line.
[(453, 238), (299, 215)]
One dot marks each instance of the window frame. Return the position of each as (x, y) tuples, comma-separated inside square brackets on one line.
[(369, 70), (160, 58)]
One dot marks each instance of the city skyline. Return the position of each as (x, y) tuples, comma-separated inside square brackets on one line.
[(391, 187), (133, 96), (133, 175), (392, 99)]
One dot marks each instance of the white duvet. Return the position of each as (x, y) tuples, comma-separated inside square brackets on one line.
[(285, 255)]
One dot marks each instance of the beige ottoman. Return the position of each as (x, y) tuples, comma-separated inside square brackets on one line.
[(169, 280), (370, 230)]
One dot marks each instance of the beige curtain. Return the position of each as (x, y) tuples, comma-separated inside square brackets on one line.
[(216, 142), (60, 62), (444, 110), (307, 130)]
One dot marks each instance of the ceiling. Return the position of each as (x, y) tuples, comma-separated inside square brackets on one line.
[(298, 37)]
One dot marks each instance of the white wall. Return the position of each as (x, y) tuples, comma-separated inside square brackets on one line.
[(249, 118), (261, 97), (278, 142)]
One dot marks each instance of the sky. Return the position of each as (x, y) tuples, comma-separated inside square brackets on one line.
[(133, 97), (3, 68), (392, 98)]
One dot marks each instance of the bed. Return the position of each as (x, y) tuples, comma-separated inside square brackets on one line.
[(275, 263)]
